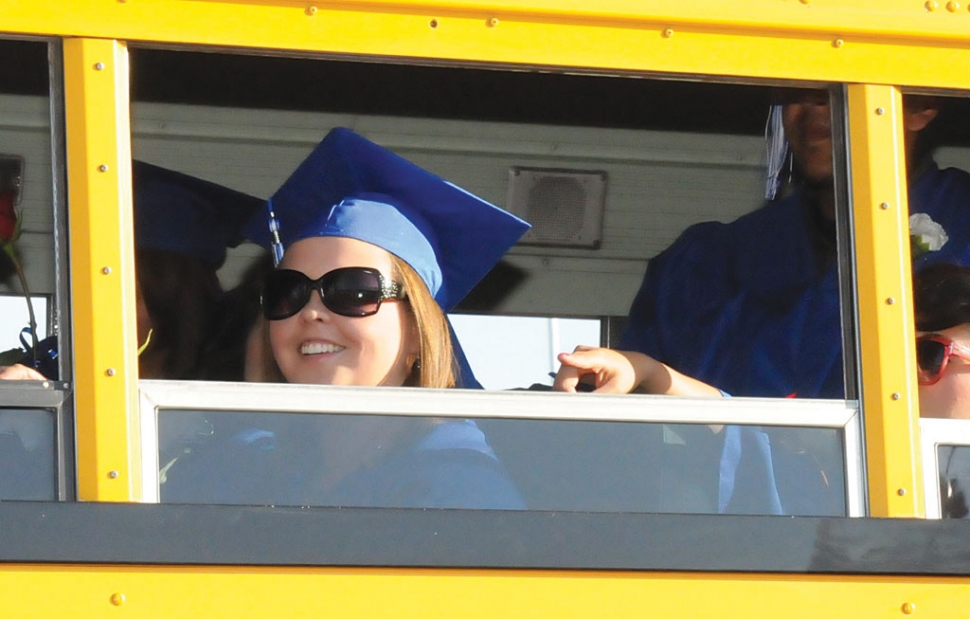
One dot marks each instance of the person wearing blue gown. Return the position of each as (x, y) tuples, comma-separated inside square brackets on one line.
[(752, 306), (371, 251)]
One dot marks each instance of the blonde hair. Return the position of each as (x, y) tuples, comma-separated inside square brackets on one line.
[(435, 365)]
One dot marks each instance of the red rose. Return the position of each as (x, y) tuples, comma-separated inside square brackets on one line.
[(8, 218)]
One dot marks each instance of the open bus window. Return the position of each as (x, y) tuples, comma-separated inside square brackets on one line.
[(27, 208), (753, 308), (738, 306), (550, 453)]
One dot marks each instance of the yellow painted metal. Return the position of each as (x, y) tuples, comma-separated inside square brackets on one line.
[(889, 394), (102, 267), (135, 591), (898, 42)]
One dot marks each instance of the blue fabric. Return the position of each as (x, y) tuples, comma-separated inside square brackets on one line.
[(452, 465), (351, 187), (746, 481), (751, 308), (186, 215)]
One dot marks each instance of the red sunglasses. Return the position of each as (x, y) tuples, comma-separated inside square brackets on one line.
[(932, 354)]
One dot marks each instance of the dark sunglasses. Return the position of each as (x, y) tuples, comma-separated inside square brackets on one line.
[(932, 354), (351, 291)]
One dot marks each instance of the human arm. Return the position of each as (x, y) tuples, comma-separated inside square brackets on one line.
[(19, 372), (615, 371)]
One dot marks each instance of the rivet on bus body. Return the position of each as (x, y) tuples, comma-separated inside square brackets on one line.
[(896, 396), (931, 5), (106, 270), (113, 474), (117, 599), (46, 385), (890, 301), (311, 11), (99, 66), (880, 111), (909, 608), (109, 372), (433, 23), (668, 32), (103, 167), (838, 43), (492, 22), (884, 206), (901, 492), (952, 7)]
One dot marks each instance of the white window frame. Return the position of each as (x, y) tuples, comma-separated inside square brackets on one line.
[(157, 395)]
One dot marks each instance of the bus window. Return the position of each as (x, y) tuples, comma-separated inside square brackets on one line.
[(26, 205), (35, 422), (551, 452), (742, 291)]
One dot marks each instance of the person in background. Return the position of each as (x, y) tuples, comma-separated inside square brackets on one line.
[(752, 306), (373, 251), (238, 349), (183, 226), (941, 296)]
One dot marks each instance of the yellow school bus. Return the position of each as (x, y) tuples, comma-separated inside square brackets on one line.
[(661, 106)]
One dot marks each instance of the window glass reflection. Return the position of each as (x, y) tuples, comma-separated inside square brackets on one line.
[(954, 467), (390, 461), (28, 455)]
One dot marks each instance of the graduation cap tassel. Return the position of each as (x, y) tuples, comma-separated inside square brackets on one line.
[(776, 145), (274, 232)]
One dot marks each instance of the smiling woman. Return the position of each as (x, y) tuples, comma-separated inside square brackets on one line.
[(374, 251)]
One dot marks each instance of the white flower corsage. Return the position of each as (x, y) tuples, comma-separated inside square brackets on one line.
[(926, 235)]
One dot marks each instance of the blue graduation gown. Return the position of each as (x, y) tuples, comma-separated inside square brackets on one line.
[(750, 307)]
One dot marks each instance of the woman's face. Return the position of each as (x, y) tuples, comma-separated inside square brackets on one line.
[(949, 398), (320, 347)]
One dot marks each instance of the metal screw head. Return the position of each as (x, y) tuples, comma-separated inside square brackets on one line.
[(890, 301), (106, 270), (118, 598), (668, 32), (908, 608), (433, 23), (953, 7), (492, 22), (901, 492), (896, 396), (884, 206), (103, 167), (838, 43), (113, 474), (109, 372), (311, 10), (99, 66), (931, 5), (880, 111)]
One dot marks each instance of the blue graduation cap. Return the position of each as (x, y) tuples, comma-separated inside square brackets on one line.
[(186, 215), (351, 187)]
